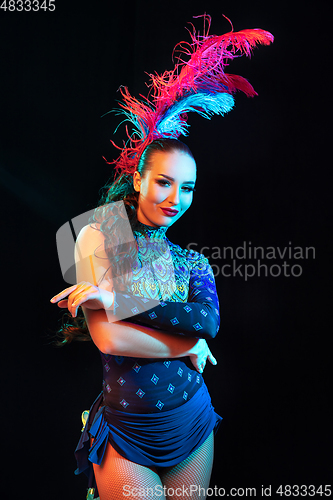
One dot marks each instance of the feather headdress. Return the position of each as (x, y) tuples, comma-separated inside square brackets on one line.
[(198, 84)]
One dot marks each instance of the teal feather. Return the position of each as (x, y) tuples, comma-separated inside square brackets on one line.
[(206, 104)]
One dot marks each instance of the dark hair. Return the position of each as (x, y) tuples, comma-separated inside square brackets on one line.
[(164, 145), (121, 255)]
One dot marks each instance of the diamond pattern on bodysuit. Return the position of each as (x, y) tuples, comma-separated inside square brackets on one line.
[(182, 285)]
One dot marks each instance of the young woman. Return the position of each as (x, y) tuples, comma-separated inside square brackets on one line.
[(148, 304), (148, 379)]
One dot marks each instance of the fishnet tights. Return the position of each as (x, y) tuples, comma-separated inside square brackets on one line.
[(118, 478), (192, 475)]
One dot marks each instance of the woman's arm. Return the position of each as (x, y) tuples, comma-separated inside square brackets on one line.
[(199, 317), (122, 338), (126, 339)]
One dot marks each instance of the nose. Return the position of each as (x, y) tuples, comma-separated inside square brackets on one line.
[(173, 197)]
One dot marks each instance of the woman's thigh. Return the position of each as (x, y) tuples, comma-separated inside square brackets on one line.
[(118, 478), (190, 478)]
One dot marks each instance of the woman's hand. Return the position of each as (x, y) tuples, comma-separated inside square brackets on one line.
[(84, 293), (201, 353)]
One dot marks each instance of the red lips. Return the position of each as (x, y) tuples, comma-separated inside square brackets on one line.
[(169, 212)]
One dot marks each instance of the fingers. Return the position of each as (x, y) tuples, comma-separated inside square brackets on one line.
[(79, 299), (202, 366), (75, 300), (199, 363), (75, 296), (64, 293), (83, 293), (63, 304), (212, 359)]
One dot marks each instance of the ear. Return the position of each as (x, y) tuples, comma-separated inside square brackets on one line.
[(137, 181)]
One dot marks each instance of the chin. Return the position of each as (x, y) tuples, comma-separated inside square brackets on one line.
[(169, 221), (163, 221), (159, 219)]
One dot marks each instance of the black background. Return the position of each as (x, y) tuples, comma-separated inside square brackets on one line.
[(263, 177)]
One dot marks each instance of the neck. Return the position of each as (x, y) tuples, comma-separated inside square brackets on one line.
[(150, 231)]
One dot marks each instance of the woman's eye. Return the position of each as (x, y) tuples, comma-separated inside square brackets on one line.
[(165, 183), (162, 182)]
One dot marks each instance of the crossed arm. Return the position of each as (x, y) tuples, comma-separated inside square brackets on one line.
[(119, 337)]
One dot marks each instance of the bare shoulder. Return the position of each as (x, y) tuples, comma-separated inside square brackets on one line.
[(92, 262), (90, 238)]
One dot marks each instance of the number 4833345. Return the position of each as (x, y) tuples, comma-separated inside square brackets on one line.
[(27, 5)]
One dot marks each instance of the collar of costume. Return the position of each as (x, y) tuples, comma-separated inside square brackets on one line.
[(197, 85), (152, 232)]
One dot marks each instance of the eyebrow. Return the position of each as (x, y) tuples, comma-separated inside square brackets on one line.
[(172, 179)]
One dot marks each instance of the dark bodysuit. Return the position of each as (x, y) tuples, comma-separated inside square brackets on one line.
[(156, 412)]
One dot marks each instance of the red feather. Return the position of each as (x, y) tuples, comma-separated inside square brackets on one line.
[(203, 72)]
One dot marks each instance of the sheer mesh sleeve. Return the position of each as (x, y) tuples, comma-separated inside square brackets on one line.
[(199, 317)]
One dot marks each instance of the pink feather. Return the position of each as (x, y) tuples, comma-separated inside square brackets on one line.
[(203, 72)]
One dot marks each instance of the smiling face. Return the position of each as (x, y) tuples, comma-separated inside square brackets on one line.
[(166, 188)]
